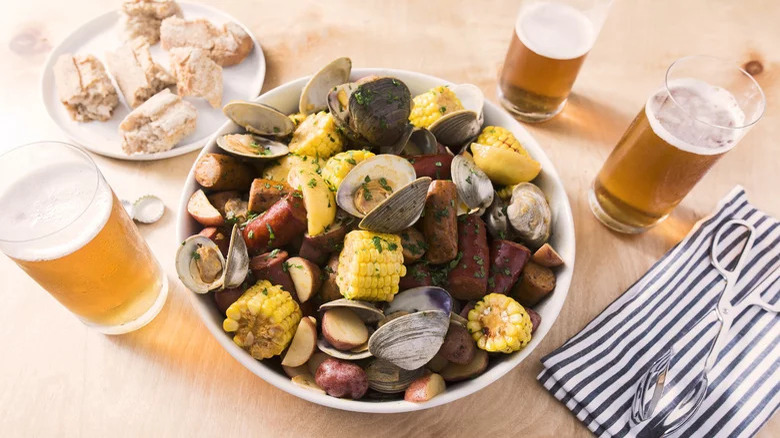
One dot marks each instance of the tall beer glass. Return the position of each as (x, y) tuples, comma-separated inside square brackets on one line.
[(702, 110), (549, 44), (62, 224)]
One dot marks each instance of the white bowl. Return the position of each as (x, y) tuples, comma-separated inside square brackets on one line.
[(285, 99)]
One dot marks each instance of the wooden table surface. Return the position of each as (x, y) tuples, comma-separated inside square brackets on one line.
[(58, 378)]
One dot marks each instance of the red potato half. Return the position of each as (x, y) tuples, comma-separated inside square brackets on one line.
[(343, 329), (202, 211), (303, 344), (425, 388), (305, 276)]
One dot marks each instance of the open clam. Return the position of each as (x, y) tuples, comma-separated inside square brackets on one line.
[(314, 96), (410, 341), (258, 118), (202, 268), (388, 378), (473, 185), (529, 214), (367, 312), (252, 146), (384, 192), (458, 128)]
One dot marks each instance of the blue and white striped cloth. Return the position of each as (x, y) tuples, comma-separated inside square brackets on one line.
[(595, 373)]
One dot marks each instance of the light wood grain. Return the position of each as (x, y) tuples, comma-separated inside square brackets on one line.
[(171, 378)]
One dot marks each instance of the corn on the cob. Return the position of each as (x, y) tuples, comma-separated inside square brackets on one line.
[(317, 136), (264, 320), (501, 156), (499, 323), (500, 137), (339, 165), (370, 266), (297, 118), (432, 105)]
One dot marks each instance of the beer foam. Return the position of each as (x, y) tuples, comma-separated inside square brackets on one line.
[(698, 118), (555, 30), (53, 211)]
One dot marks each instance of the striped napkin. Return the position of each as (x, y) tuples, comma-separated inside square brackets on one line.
[(595, 373)]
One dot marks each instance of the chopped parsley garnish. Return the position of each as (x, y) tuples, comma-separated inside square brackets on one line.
[(195, 255), (351, 161), (377, 243), (383, 183), (443, 109), (297, 194), (267, 185), (251, 234), (312, 183), (366, 192), (271, 235), (437, 164)]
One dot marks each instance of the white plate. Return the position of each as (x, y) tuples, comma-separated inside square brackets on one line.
[(285, 99), (102, 34)]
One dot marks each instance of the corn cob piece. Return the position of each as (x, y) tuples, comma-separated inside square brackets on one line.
[(499, 323), (339, 165), (317, 136), (432, 105), (505, 193), (297, 118), (370, 266), (501, 156), (264, 320), (500, 137)]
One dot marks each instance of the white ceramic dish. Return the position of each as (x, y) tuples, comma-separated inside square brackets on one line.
[(285, 99), (101, 34)]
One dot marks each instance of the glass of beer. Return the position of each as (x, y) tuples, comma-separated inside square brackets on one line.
[(702, 110), (63, 225), (549, 44)]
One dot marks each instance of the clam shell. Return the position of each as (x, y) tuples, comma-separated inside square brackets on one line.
[(148, 209), (237, 263), (366, 311), (262, 148), (457, 319), (410, 341), (314, 96), (420, 298), (529, 214), (336, 106), (258, 118), (397, 147), (496, 220), (400, 210), (186, 266), (420, 142), (328, 349), (396, 170), (457, 129), (474, 186), (387, 378), (379, 110)]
